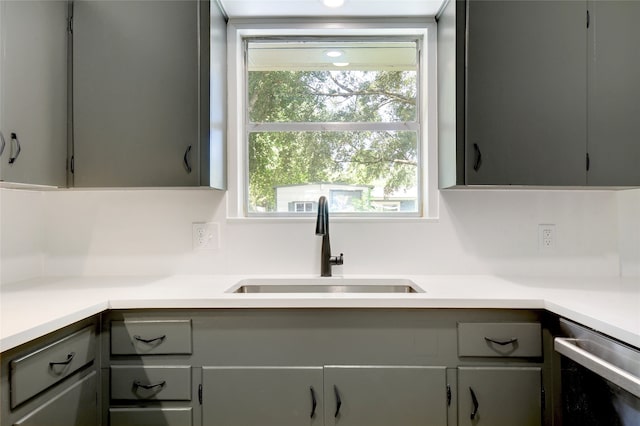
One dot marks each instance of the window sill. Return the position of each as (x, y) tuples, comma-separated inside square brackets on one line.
[(334, 219)]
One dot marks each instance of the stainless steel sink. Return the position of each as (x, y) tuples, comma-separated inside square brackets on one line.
[(326, 285)]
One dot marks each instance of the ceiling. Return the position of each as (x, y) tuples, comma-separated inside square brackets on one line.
[(315, 8)]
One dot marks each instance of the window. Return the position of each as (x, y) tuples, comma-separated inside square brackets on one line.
[(334, 113), (302, 206)]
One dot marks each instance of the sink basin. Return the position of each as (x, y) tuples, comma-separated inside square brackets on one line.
[(325, 285)]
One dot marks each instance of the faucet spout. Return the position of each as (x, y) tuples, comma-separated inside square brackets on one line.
[(322, 223), (322, 228)]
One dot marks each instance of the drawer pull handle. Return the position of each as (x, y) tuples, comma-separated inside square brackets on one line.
[(149, 341), (14, 157), (338, 401), (474, 400), (65, 362), (478, 157), (187, 164), (138, 384), (314, 403), (502, 342)]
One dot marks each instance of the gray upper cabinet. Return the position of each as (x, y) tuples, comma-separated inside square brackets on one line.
[(135, 93), (385, 395), (538, 93), (526, 98), (33, 94), (614, 93), (113, 94)]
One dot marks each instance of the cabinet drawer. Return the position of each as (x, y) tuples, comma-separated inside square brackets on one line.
[(150, 416), (151, 337), (522, 339), (76, 406), (157, 383), (36, 371)]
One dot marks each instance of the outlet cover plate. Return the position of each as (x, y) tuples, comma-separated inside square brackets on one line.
[(547, 237), (206, 236)]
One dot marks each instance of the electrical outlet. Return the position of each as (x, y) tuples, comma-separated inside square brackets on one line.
[(546, 237), (206, 236)]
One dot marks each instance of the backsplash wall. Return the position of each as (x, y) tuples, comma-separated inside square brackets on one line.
[(148, 232), (629, 230), (22, 234)]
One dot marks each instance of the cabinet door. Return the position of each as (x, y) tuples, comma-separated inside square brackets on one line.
[(135, 90), (499, 396), (614, 93), (383, 396), (262, 396), (75, 406), (33, 95), (526, 98), (151, 416)]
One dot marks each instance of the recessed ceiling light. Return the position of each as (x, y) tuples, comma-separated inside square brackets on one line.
[(334, 53), (333, 3), (341, 64)]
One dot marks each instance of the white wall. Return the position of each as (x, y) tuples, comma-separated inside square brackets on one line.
[(149, 232), (22, 229), (629, 230)]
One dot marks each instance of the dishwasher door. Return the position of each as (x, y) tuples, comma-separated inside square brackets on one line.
[(600, 379)]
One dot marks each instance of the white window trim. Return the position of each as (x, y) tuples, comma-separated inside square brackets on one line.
[(239, 29)]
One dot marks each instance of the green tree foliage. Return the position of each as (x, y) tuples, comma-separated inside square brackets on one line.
[(352, 157)]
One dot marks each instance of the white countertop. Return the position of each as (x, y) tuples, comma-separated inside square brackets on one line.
[(33, 308)]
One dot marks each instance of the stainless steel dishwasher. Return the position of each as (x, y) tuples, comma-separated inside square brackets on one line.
[(600, 378)]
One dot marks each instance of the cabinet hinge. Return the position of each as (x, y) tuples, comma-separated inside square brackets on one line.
[(588, 19), (72, 164), (70, 25), (200, 393), (588, 160), (543, 398), (448, 395)]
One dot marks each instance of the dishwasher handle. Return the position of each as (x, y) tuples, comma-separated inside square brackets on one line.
[(614, 374)]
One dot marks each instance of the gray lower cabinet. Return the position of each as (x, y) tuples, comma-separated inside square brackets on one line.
[(329, 395), (262, 396), (385, 395), (53, 380), (338, 367), (154, 416), (499, 396), (76, 406)]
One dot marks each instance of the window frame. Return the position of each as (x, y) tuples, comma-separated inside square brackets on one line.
[(238, 130)]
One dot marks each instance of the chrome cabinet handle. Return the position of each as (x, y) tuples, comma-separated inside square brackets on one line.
[(149, 341), (502, 342), (474, 413), (338, 401), (478, 161), (65, 362), (139, 384), (314, 402), (13, 158), (187, 164)]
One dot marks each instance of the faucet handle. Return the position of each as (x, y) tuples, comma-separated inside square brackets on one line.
[(336, 260)]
